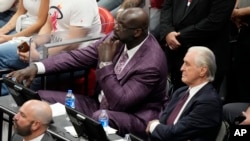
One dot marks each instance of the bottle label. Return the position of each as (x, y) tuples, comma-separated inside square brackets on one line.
[(104, 122), (70, 103)]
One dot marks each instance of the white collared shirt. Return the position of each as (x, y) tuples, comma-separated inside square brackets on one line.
[(39, 138)]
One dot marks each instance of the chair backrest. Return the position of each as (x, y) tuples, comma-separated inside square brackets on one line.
[(107, 20), (224, 132)]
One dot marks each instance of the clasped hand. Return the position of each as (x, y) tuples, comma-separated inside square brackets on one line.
[(172, 41), (107, 49), (33, 54)]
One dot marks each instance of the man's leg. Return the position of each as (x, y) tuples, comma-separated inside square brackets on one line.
[(10, 59), (232, 110)]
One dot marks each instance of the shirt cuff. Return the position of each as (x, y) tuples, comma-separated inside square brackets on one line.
[(153, 126), (40, 67)]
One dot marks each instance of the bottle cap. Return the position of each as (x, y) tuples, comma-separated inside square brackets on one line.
[(69, 91)]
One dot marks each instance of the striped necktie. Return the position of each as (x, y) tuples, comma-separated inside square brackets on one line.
[(120, 64)]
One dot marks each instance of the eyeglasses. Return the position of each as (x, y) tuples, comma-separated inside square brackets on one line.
[(122, 27)]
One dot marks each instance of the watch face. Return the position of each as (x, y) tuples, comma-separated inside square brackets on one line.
[(103, 64)]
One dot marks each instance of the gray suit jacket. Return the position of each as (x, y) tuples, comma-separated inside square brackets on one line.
[(46, 137), (139, 90)]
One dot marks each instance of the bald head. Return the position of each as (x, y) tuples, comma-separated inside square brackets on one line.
[(136, 17), (40, 110)]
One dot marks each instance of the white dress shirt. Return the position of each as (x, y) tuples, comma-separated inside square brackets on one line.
[(39, 138)]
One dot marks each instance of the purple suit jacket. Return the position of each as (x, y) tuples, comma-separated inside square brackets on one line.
[(139, 90)]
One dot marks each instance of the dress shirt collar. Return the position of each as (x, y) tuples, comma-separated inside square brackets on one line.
[(132, 51), (194, 90), (39, 138)]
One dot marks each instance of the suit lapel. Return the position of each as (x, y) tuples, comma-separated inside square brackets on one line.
[(193, 4), (181, 6), (200, 92), (188, 9), (129, 65), (133, 61)]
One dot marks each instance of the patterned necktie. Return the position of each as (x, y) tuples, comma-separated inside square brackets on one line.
[(177, 108), (120, 64), (104, 103)]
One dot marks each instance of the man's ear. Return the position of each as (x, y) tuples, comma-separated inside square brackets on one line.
[(203, 71), (36, 125)]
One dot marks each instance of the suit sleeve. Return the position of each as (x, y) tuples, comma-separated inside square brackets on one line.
[(86, 57)]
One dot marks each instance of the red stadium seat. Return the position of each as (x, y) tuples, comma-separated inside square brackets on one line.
[(107, 20)]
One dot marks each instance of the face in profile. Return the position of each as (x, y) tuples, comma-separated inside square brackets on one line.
[(23, 130), (190, 71), (23, 122), (123, 29)]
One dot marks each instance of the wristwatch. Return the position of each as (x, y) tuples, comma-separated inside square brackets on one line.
[(103, 64)]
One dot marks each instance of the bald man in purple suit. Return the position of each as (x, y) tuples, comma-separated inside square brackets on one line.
[(133, 96)]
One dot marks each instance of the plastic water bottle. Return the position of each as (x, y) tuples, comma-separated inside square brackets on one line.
[(104, 119), (70, 99)]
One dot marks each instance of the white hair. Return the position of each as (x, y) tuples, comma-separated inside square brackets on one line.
[(205, 58)]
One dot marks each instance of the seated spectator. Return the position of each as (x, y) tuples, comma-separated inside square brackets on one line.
[(199, 116), (30, 16), (31, 122), (7, 10), (233, 110), (83, 14), (131, 72)]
